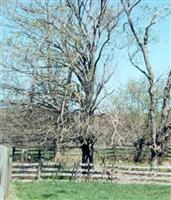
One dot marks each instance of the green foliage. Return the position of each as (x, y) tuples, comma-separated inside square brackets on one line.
[(63, 190)]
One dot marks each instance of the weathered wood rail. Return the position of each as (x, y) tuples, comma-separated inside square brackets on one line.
[(127, 174), (5, 172)]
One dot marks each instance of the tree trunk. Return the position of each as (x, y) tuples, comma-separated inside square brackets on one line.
[(24, 155), (139, 149), (13, 154), (87, 156), (156, 155), (39, 155), (57, 152), (154, 159)]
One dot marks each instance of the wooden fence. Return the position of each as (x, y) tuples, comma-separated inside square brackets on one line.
[(115, 173), (33, 163), (5, 169), (101, 155)]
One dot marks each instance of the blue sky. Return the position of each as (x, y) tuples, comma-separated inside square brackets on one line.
[(160, 51)]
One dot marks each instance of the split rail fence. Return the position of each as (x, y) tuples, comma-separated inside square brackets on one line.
[(33, 171), (39, 164), (126, 152)]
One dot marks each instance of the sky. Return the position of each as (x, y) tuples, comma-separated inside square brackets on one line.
[(160, 51)]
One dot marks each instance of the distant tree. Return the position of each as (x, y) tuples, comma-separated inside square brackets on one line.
[(159, 129)]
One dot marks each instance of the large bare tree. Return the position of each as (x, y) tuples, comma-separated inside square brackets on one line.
[(61, 51), (92, 27)]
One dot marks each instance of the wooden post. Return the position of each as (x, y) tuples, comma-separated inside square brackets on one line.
[(13, 154), (40, 160), (5, 172)]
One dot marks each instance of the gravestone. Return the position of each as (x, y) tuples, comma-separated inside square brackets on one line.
[(4, 172)]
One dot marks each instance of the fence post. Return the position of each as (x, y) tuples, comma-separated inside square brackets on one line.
[(40, 161), (13, 154), (5, 172)]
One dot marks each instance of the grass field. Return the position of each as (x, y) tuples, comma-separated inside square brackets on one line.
[(63, 190)]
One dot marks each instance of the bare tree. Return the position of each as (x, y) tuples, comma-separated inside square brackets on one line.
[(35, 80), (159, 131), (88, 33), (60, 49)]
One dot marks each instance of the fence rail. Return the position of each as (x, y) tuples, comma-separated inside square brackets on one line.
[(117, 153), (117, 173)]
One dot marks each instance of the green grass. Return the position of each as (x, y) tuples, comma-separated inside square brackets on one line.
[(64, 190)]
